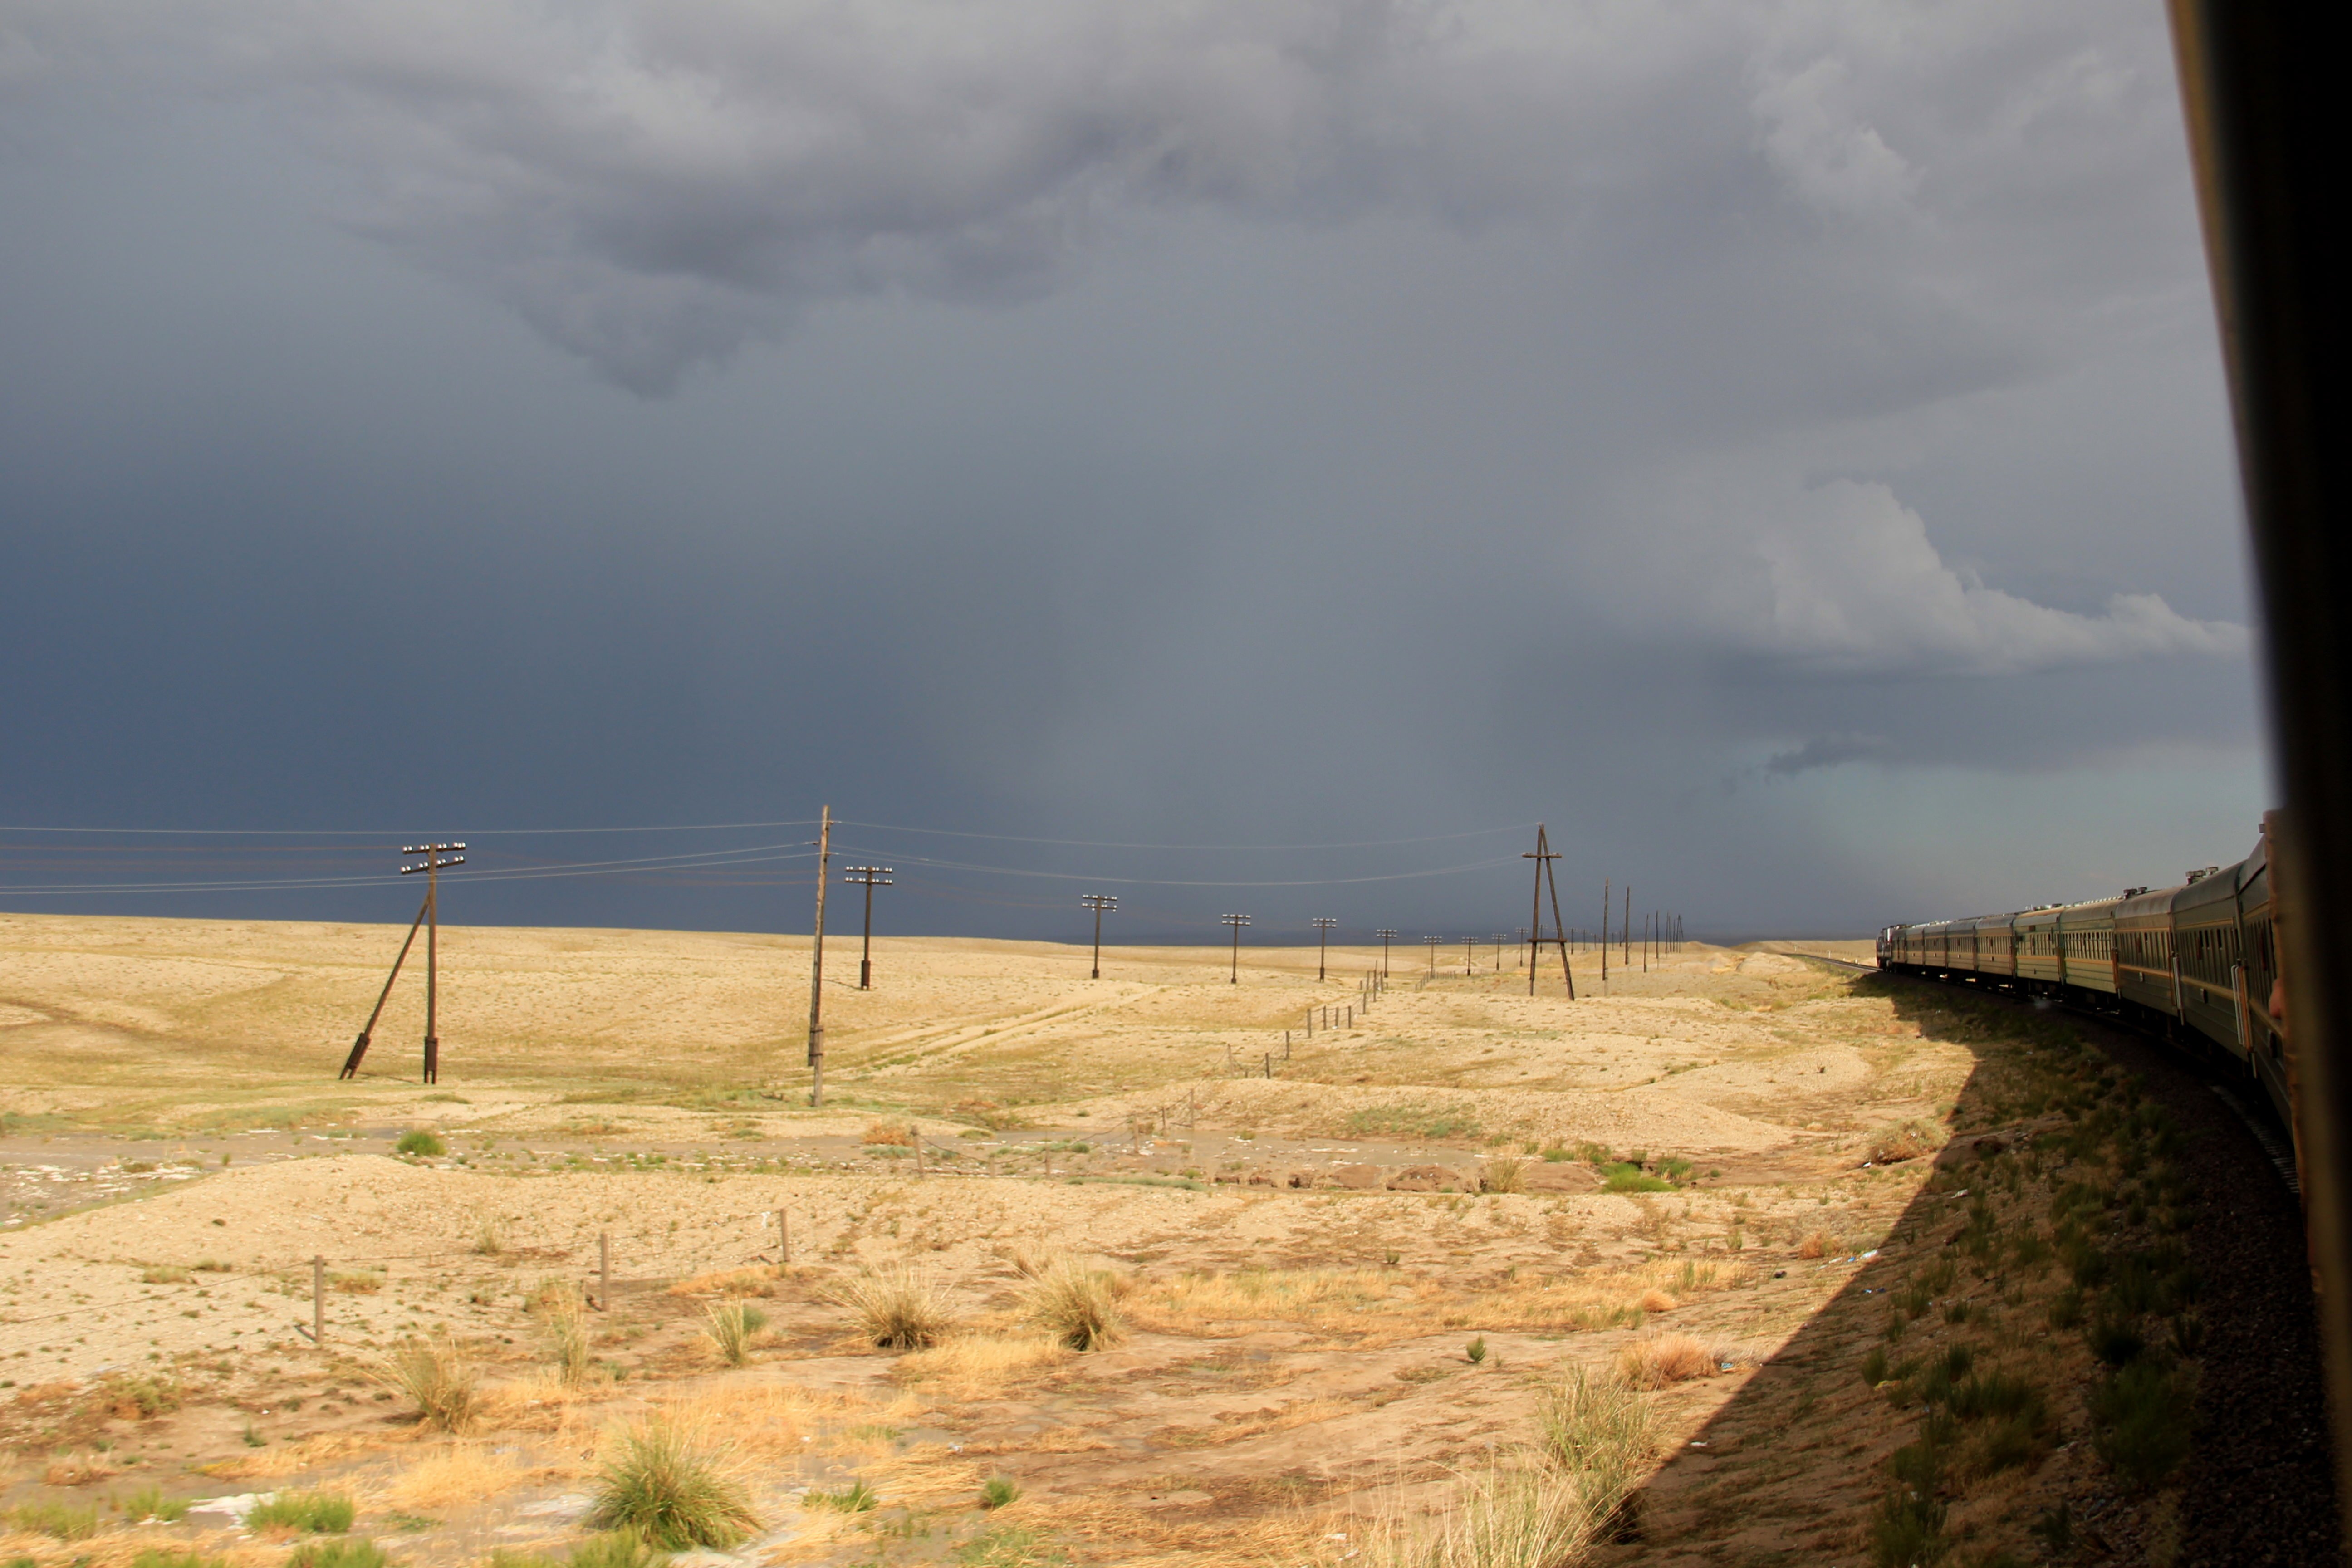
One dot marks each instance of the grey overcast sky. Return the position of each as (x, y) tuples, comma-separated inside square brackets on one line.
[(1781, 446)]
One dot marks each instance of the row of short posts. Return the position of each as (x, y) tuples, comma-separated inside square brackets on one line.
[(317, 1331)]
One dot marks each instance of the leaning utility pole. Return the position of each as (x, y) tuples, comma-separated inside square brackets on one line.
[(1543, 855), (1099, 903), (816, 961), (869, 878), (1237, 922), (428, 915), (1386, 936), (1323, 924)]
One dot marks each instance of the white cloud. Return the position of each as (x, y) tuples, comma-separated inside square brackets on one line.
[(1841, 578)]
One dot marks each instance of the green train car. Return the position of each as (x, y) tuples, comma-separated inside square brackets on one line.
[(2197, 963)]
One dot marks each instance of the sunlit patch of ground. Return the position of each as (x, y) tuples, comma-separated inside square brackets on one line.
[(1337, 1286)]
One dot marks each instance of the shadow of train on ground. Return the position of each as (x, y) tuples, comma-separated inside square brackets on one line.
[(2104, 1242)]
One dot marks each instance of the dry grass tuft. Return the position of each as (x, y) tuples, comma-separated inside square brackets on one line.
[(968, 1368), (293, 1458), (567, 1334), (435, 1379), (755, 1281), (453, 1476), (1075, 1304), (899, 1132), (1656, 1362), (1904, 1140), (1657, 1302), (1503, 1175), (1819, 1244), (78, 1470), (1546, 1506), (1509, 1516), (897, 1309), (1599, 1431)]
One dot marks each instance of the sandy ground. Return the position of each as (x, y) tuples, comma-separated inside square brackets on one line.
[(1295, 1225)]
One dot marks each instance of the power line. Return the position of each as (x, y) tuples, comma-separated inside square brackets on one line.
[(1168, 883), (1102, 844)]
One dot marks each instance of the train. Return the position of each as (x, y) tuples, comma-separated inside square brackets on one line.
[(2197, 964)]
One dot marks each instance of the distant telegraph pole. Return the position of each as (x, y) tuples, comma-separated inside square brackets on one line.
[(1543, 855), (1099, 903), (869, 878), (428, 915), (1323, 924), (816, 962), (1386, 936), (1625, 927), (1237, 922), (1432, 942)]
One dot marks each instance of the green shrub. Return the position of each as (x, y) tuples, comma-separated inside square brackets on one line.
[(855, 1498), (998, 1490), (155, 1559), (1625, 1177), (1874, 1366), (729, 1326), (63, 1520), (149, 1502), (321, 1513), (1475, 1351), (2116, 1341), (420, 1141), (1908, 1530), (617, 1549), (346, 1553), (2141, 1417), (663, 1483), (1008, 1546)]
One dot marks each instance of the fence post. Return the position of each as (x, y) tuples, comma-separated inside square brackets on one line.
[(603, 1270), (1269, 1064), (783, 1237), (318, 1300)]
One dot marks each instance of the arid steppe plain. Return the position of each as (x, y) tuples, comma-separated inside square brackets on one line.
[(1349, 1276)]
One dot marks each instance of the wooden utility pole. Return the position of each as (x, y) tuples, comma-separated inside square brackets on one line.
[(1323, 924), (1625, 927), (816, 961), (1432, 942), (869, 878), (438, 859), (1386, 936), (1604, 930), (1237, 921), (1543, 855), (1099, 903)]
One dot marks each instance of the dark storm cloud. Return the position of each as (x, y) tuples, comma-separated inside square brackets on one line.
[(1305, 421), (1824, 751)]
